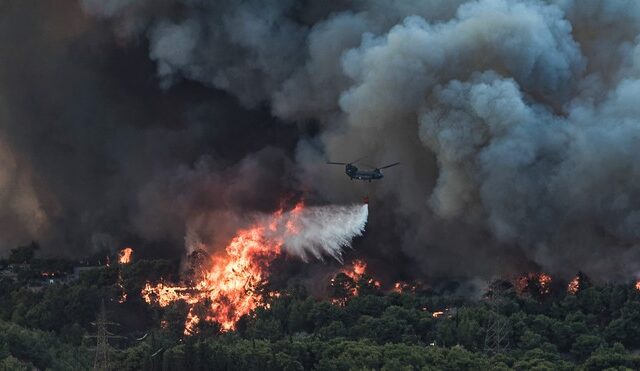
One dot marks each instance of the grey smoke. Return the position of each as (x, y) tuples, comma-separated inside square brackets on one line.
[(516, 123)]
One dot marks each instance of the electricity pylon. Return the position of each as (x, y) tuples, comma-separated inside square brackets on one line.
[(102, 336), (498, 328)]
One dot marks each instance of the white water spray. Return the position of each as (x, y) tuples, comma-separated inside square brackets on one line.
[(323, 230)]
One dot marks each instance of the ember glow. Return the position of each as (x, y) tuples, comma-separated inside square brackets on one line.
[(637, 286), (534, 283), (573, 286), (402, 286), (123, 292), (232, 285), (544, 280), (357, 273), (125, 255)]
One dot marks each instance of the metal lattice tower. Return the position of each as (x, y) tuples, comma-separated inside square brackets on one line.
[(102, 336), (498, 328)]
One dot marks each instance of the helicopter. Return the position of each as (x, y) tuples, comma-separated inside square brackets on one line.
[(354, 173)]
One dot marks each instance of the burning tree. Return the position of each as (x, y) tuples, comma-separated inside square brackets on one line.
[(351, 281), (536, 284), (124, 257), (231, 283), (578, 283)]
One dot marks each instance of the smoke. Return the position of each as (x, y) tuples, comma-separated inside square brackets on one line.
[(22, 214), (324, 230), (304, 232), (515, 122)]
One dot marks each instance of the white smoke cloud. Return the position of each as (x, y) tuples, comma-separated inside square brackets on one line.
[(324, 230)]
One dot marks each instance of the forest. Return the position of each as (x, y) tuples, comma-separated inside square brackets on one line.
[(48, 321)]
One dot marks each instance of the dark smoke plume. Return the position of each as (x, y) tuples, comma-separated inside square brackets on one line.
[(516, 123)]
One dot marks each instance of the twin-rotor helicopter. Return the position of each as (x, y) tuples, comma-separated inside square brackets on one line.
[(373, 173)]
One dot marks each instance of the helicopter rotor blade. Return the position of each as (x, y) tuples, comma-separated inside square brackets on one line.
[(390, 165), (360, 159), (337, 163)]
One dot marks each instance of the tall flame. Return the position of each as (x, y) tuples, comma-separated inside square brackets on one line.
[(231, 286), (125, 255)]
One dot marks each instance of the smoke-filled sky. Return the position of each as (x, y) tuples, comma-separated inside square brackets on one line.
[(150, 121)]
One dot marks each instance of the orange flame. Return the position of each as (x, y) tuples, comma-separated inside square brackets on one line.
[(573, 286), (125, 255), (356, 271), (540, 281), (402, 286), (545, 283), (231, 287), (637, 286), (120, 285)]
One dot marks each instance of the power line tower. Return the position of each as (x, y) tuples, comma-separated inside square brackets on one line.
[(102, 336), (498, 328)]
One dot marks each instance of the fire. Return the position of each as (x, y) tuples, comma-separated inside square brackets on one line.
[(637, 286), (544, 280), (292, 223), (125, 255), (538, 283), (120, 285), (437, 314), (231, 286), (578, 283), (356, 271), (401, 287), (191, 322), (573, 286), (165, 295)]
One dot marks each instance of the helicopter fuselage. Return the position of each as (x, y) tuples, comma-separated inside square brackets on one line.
[(354, 173)]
